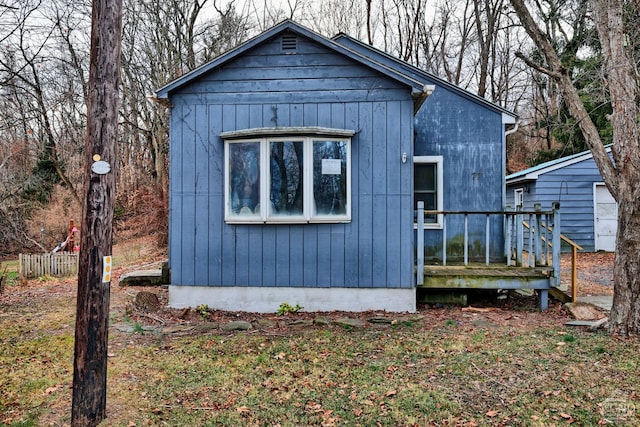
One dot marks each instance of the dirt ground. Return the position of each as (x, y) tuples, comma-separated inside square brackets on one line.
[(595, 272)]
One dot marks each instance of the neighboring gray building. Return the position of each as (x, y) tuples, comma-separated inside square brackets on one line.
[(589, 214), (295, 165)]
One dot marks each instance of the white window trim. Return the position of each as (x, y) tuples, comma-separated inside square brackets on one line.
[(265, 183), (438, 160)]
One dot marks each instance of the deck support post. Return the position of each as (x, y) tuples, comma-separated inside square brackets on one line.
[(420, 244), (544, 299)]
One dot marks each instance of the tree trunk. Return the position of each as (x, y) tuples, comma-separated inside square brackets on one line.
[(92, 313), (620, 75), (623, 177), (625, 313)]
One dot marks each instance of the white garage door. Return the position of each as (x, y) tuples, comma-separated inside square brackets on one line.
[(606, 219)]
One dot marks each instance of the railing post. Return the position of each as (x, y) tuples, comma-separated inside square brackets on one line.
[(487, 241), (420, 245), (507, 237), (546, 240), (444, 239), (555, 250), (574, 274), (539, 240), (466, 239), (519, 238), (530, 258)]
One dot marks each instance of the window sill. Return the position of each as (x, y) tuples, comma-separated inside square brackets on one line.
[(434, 226), (233, 221)]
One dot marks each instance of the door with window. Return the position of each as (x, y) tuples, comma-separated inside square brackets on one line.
[(518, 198)]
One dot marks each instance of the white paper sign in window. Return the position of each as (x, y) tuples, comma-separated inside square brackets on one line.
[(331, 166)]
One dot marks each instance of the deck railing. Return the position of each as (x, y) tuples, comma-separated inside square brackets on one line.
[(574, 259), (535, 251)]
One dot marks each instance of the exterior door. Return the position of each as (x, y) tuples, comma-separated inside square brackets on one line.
[(605, 218)]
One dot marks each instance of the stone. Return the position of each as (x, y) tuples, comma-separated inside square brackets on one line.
[(350, 322), (266, 323), (301, 322), (130, 329), (237, 325), (322, 321), (207, 326), (584, 311), (579, 323), (593, 325), (175, 329), (381, 320), (147, 301), (141, 278)]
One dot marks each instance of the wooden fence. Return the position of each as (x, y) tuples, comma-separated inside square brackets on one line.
[(50, 264)]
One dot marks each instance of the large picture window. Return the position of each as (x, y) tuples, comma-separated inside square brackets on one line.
[(288, 179), (427, 187)]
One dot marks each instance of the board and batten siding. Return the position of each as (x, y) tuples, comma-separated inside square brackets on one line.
[(314, 87), (469, 135), (572, 186), (469, 138)]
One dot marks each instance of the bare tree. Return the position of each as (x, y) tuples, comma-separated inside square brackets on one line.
[(622, 175), (42, 114), (342, 16), (161, 41)]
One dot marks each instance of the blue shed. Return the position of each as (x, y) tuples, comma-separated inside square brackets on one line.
[(295, 165), (589, 212)]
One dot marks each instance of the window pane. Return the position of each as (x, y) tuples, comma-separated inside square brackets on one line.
[(425, 189), (425, 177), (244, 179), (286, 165), (429, 200), (330, 177)]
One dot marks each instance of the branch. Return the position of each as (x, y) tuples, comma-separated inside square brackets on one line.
[(537, 67), (571, 96)]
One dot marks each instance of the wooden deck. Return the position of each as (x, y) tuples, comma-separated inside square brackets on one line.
[(530, 241), (489, 277)]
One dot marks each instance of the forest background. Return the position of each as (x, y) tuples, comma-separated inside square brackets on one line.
[(478, 45)]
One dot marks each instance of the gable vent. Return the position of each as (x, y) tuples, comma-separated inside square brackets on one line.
[(289, 43)]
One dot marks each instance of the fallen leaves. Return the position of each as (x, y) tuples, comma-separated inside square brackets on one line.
[(492, 413), (53, 389), (243, 410)]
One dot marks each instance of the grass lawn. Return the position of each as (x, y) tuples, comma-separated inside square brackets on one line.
[(508, 366)]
